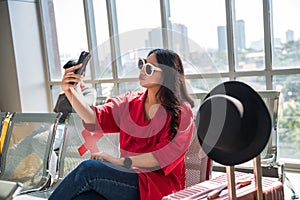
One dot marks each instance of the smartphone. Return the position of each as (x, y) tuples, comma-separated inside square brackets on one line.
[(84, 59), (9, 189)]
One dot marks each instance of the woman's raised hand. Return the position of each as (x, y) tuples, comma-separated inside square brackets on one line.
[(69, 78)]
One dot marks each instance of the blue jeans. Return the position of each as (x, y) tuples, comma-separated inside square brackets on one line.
[(93, 179)]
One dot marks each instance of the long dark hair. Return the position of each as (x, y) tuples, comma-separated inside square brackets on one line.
[(173, 90)]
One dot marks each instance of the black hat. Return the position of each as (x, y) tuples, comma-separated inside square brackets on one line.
[(234, 123)]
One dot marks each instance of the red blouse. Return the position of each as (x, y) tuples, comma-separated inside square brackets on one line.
[(126, 115)]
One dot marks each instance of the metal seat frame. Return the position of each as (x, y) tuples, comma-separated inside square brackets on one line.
[(18, 146)]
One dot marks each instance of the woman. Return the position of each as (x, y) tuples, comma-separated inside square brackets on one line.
[(155, 128)]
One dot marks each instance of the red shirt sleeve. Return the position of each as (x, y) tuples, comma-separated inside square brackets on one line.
[(170, 153), (108, 114)]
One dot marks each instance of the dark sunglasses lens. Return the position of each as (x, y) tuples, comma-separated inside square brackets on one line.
[(148, 69), (140, 64)]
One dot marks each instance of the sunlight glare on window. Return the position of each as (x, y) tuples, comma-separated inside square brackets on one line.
[(286, 34), (71, 28), (139, 25)]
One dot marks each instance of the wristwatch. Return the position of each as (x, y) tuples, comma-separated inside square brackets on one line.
[(127, 162)]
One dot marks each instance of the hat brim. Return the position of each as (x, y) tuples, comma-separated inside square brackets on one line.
[(258, 123)]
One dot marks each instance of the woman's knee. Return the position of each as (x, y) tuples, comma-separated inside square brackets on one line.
[(89, 165), (96, 168)]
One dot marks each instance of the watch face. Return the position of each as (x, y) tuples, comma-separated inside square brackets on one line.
[(127, 162)]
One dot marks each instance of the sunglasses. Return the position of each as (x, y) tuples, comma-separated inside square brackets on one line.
[(148, 67)]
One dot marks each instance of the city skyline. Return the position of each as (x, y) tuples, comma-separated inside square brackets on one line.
[(66, 20)]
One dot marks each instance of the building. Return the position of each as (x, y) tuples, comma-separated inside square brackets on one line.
[(222, 38), (240, 35)]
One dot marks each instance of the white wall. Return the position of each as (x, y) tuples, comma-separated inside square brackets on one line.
[(22, 78)]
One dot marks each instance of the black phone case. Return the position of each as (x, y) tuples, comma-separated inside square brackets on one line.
[(84, 59)]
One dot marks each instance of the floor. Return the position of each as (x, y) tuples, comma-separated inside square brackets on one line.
[(295, 182)]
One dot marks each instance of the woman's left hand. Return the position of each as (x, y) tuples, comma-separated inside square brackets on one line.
[(106, 157)]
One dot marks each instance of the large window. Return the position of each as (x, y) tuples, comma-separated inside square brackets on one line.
[(139, 26), (286, 34), (254, 41), (287, 62), (249, 35), (289, 115), (101, 53), (201, 41), (69, 38), (71, 29)]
